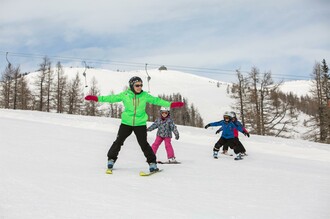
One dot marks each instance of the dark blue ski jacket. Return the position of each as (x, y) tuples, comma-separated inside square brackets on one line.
[(227, 128)]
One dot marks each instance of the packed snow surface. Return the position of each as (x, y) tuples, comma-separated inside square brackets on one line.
[(53, 166)]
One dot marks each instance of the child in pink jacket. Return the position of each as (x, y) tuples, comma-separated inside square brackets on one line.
[(165, 127)]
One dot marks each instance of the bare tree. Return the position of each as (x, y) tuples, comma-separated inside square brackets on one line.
[(254, 98), (41, 80), (238, 92), (60, 90), (75, 96), (6, 86), (49, 87), (260, 105), (16, 75)]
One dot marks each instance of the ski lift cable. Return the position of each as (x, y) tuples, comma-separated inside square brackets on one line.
[(135, 64)]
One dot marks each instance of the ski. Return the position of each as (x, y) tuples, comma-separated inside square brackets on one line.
[(167, 162), (142, 173), (109, 171)]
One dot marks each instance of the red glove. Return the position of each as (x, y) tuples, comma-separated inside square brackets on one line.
[(177, 104), (92, 98)]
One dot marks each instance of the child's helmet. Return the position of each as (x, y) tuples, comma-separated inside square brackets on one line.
[(164, 109), (233, 114), (227, 115)]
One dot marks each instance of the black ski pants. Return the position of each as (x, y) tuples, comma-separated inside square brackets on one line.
[(230, 142), (141, 136), (237, 142)]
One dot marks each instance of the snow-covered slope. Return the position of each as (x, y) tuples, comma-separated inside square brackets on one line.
[(53, 166), (299, 88)]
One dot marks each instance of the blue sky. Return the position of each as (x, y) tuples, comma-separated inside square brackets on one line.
[(204, 37)]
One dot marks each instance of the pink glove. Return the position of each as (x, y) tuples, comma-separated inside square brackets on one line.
[(177, 104), (92, 98)]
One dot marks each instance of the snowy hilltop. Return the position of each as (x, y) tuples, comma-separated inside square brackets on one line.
[(210, 97)]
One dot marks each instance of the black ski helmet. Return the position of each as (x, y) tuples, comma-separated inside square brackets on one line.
[(133, 80)]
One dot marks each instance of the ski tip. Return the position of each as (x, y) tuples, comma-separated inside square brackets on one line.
[(109, 171), (142, 173)]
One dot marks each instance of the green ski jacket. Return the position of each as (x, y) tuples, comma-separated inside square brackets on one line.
[(135, 106)]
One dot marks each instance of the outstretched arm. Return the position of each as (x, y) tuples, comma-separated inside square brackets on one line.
[(111, 98), (245, 132), (153, 126), (160, 102), (214, 124), (219, 130)]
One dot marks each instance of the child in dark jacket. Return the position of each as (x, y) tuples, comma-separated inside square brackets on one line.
[(227, 137), (165, 127)]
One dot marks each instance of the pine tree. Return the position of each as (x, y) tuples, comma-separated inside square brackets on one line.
[(319, 125), (60, 88), (75, 96), (40, 82)]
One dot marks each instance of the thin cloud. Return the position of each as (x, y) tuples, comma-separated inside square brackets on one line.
[(285, 37)]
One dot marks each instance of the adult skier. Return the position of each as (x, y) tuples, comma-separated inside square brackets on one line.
[(133, 119)]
